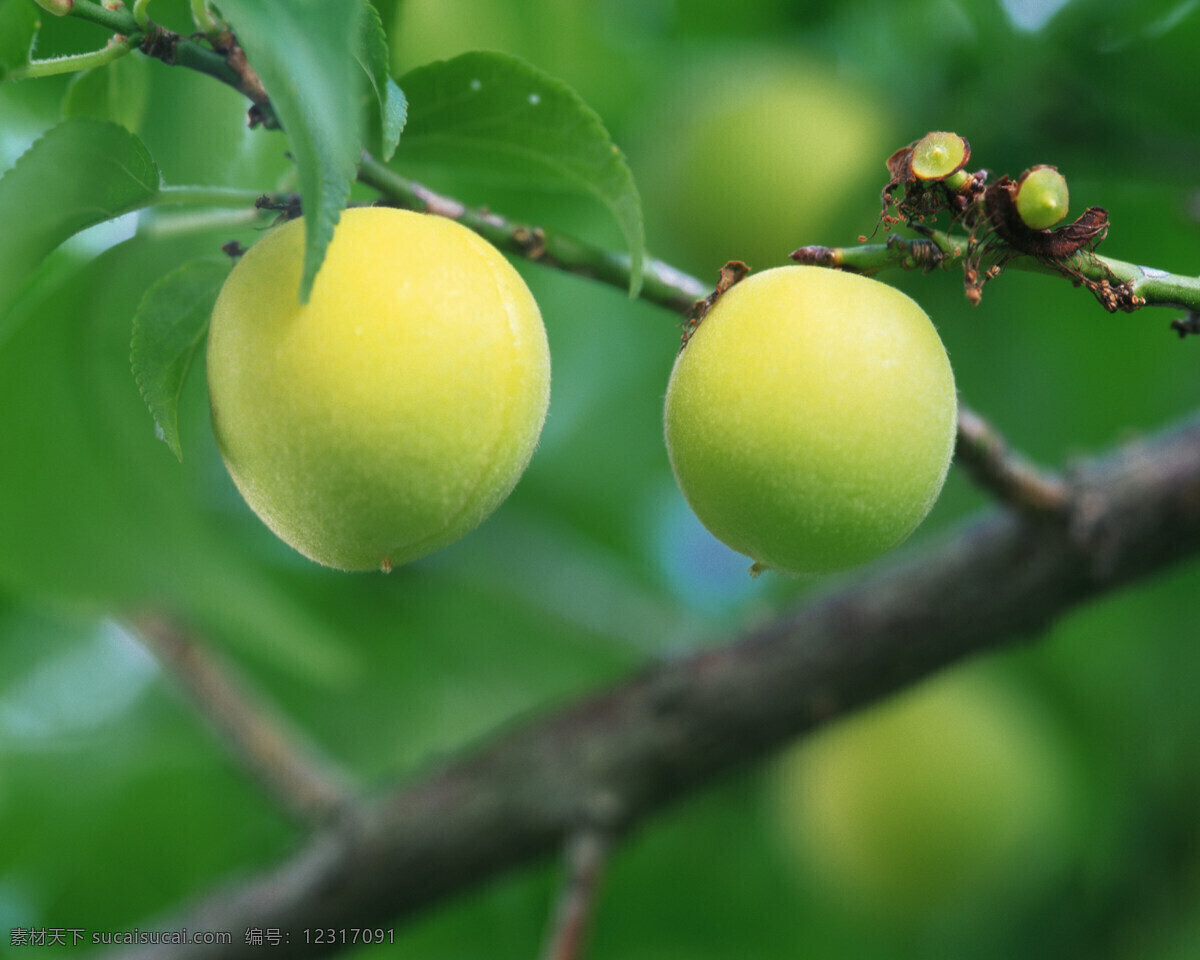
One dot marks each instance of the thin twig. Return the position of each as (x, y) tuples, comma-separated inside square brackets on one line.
[(1139, 285), (1146, 286), (586, 856), (984, 454), (174, 49), (662, 283), (278, 757)]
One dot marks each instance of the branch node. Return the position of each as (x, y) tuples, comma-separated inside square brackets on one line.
[(1092, 532), (531, 240), (818, 256), (160, 44), (287, 205)]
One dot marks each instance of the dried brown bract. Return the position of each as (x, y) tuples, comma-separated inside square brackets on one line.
[(1060, 243), (926, 178), (998, 234), (732, 273)]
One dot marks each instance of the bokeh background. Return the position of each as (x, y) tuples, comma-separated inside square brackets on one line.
[(1039, 802)]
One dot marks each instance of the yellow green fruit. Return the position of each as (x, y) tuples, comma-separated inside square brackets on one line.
[(392, 413), (957, 793), (810, 419)]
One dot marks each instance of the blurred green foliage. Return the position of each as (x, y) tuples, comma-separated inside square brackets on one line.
[(116, 802)]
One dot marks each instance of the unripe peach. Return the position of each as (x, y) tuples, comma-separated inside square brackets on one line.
[(810, 419), (393, 412)]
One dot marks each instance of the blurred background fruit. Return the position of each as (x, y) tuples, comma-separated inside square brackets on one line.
[(750, 151), (959, 795)]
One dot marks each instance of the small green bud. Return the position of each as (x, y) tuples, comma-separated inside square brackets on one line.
[(1042, 198), (939, 154)]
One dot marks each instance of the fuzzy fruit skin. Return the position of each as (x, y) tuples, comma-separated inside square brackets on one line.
[(392, 413), (810, 420)]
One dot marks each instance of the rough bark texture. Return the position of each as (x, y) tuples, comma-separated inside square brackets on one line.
[(616, 757)]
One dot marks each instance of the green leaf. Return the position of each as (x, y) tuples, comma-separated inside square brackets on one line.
[(372, 56), (18, 24), (393, 117), (80, 173), (304, 53), (495, 111), (168, 328), (119, 91), (93, 514)]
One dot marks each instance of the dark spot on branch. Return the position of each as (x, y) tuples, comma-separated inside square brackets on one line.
[(531, 241), (1187, 326), (817, 256), (288, 205), (257, 116), (918, 254), (160, 44)]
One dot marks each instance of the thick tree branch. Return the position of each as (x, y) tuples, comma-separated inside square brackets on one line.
[(672, 729)]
